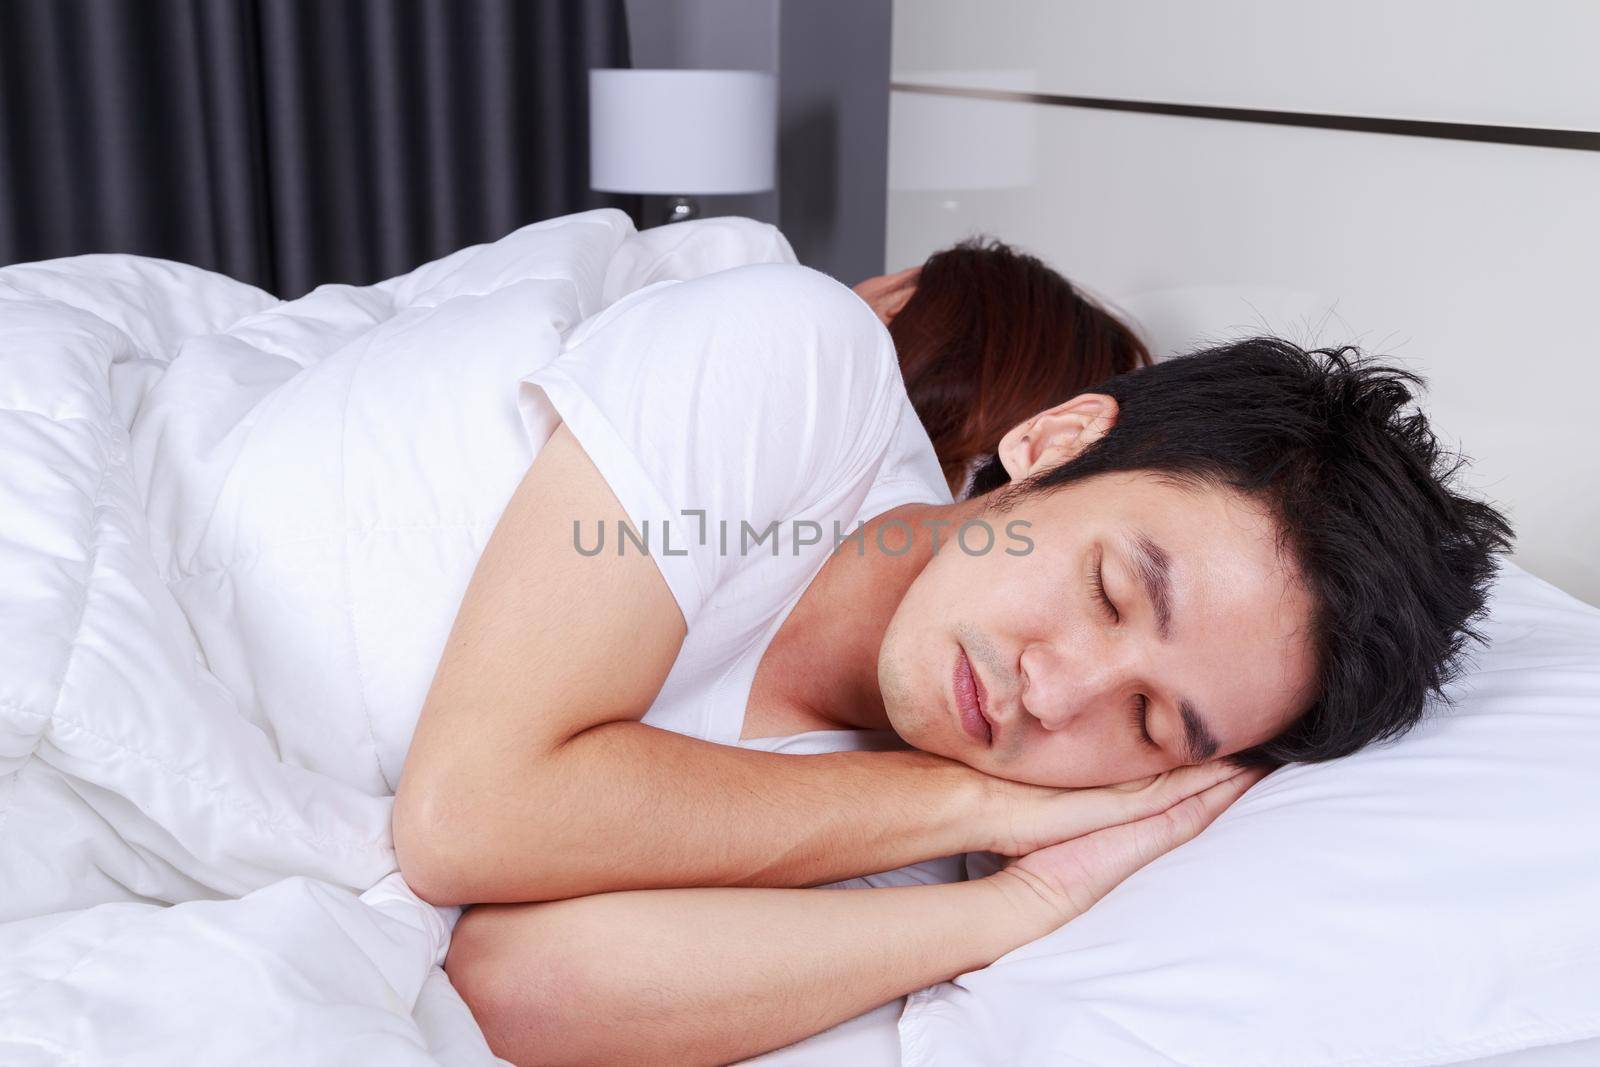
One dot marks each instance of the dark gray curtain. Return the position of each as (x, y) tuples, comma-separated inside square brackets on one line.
[(294, 142)]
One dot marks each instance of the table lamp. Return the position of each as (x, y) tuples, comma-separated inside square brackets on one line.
[(682, 133)]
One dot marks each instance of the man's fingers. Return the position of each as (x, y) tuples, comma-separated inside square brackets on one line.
[(1088, 810), (1159, 792), (1082, 870), (1136, 785), (1117, 852), (1184, 820), (1044, 817)]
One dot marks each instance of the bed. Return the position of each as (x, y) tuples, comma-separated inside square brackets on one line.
[(1428, 901), (236, 533), (236, 530)]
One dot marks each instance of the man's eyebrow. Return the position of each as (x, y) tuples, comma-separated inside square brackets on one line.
[(1154, 568), (1197, 739)]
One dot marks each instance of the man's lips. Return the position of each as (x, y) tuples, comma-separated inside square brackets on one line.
[(969, 706), (983, 701)]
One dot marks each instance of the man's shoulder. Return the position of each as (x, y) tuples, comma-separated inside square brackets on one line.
[(764, 327), (785, 320)]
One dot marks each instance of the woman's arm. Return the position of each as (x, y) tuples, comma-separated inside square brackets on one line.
[(712, 975)]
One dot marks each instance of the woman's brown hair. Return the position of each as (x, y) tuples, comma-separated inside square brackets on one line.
[(991, 336)]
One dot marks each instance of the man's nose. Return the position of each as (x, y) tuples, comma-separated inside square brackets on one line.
[(1057, 693)]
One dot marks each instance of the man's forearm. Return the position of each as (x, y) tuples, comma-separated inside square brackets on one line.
[(714, 975), (628, 806)]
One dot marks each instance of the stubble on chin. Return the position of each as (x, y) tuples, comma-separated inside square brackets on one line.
[(895, 686), (892, 681)]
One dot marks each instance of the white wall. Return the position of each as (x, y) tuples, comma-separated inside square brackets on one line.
[(1475, 264), (1527, 62), (832, 62)]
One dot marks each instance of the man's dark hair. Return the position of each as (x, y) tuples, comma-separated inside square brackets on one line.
[(1398, 562)]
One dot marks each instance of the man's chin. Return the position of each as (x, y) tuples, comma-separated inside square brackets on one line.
[(915, 729), (921, 732)]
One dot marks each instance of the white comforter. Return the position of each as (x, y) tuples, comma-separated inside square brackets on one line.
[(233, 534)]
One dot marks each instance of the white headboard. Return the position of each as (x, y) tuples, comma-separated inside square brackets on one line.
[(1419, 179)]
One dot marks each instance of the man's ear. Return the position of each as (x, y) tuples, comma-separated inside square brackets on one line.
[(1056, 435)]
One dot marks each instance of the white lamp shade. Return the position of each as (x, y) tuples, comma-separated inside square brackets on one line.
[(682, 132)]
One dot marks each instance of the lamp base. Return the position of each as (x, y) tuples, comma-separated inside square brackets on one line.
[(682, 209)]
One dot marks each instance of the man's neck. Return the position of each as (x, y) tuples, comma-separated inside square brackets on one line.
[(831, 654)]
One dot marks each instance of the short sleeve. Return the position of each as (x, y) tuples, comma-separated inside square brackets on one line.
[(910, 472), (741, 400)]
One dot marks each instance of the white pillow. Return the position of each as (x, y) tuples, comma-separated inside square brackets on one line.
[(1428, 901)]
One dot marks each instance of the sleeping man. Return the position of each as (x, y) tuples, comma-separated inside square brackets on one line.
[(1165, 587)]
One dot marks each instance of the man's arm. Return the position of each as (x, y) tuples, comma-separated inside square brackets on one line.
[(531, 778), (712, 976), (696, 976)]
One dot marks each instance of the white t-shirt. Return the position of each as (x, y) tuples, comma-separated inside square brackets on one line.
[(736, 416)]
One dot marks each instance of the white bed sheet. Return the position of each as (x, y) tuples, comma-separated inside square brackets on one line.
[(872, 1039), (196, 752), (234, 532)]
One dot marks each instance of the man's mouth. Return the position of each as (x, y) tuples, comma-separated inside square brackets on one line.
[(983, 703), (968, 699)]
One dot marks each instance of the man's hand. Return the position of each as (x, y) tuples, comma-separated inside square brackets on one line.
[(1059, 882), (1021, 818), (886, 294)]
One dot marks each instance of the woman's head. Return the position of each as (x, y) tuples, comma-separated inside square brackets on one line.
[(990, 336)]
